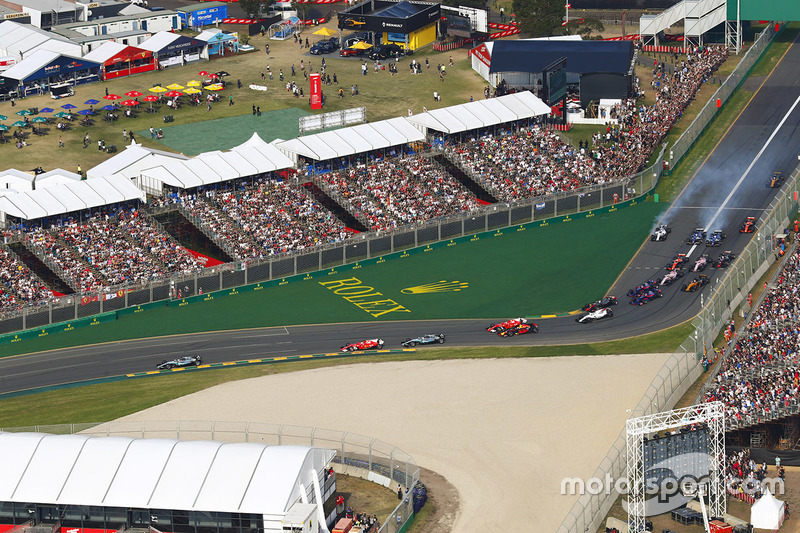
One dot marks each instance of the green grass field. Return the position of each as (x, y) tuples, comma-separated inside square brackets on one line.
[(542, 270), (225, 133)]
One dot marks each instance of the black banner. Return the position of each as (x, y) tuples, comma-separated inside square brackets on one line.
[(379, 23)]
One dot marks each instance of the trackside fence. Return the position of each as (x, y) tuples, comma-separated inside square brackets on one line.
[(683, 367), (382, 463), (721, 96), (76, 310)]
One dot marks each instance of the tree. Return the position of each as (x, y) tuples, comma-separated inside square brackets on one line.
[(252, 7), (584, 27), (539, 18)]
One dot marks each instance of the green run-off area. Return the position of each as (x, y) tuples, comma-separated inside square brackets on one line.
[(517, 271)]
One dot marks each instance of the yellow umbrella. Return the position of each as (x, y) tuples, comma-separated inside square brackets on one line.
[(327, 32), (193, 83), (361, 45), (158, 89), (174, 87), (214, 87), (192, 90)]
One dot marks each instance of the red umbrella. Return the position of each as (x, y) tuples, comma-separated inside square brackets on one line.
[(130, 103), (112, 97), (151, 98), (202, 73), (215, 76), (133, 94), (173, 94)]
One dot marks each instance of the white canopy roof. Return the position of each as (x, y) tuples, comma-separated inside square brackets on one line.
[(105, 51), (481, 113), (277, 159), (57, 176), (69, 197), (159, 41), (353, 140), (25, 38), (13, 181), (767, 512), (130, 161), (203, 476)]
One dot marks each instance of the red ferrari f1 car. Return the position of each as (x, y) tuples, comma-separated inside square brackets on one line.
[(508, 324), (369, 344)]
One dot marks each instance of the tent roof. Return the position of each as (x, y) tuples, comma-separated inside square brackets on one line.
[(134, 154), (220, 165), (159, 41), (156, 473), (767, 511), (16, 37), (582, 56), (105, 51), (31, 64), (55, 200), (481, 113), (401, 10), (275, 159)]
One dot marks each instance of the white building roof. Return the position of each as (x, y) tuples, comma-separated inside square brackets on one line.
[(55, 200), (158, 41), (13, 181), (156, 473), (474, 115), (130, 161), (57, 176), (105, 51), (25, 38)]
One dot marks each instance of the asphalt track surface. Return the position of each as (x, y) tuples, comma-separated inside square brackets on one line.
[(731, 185)]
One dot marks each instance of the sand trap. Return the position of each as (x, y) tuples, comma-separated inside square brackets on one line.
[(503, 431)]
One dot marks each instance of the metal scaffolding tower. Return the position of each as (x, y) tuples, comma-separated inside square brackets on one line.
[(639, 429)]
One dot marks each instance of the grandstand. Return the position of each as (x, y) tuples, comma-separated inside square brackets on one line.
[(262, 200)]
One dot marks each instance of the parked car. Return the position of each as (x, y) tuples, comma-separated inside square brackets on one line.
[(324, 47), (385, 51)]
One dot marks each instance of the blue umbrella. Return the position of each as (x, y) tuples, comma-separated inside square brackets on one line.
[(85, 112), (91, 102), (109, 107), (46, 110), (68, 106)]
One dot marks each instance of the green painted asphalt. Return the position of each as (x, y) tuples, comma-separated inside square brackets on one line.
[(552, 268)]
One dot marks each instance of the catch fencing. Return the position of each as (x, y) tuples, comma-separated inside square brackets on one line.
[(721, 96), (383, 463), (683, 367), (363, 247)]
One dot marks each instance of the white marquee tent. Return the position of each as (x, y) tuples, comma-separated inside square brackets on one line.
[(130, 161), (69, 197), (481, 113), (767, 512), (353, 140), (204, 476)]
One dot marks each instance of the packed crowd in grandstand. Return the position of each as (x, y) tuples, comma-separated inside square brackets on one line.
[(264, 217), (536, 161), (392, 193), (761, 375)]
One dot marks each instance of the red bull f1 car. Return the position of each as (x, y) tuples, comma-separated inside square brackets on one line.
[(508, 324), (608, 301), (520, 329), (749, 225), (369, 344)]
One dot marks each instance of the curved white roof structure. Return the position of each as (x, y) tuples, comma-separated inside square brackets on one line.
[(205, 476)]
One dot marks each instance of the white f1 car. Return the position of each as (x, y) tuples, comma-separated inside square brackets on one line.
[(603, 312), (660, 233)]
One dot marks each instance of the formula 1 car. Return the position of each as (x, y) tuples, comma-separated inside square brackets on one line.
[(716, 238), (724, 259), (508, 324), (696, 237), (641, 289), (608, 301), (749, 225), (599, 314), (700, 264), (520, 329), (677, 262), (647, 296), (189, 360), (660, 233), (425, 339), (671, 277), (776, 179), (696, 284), (369, 344)]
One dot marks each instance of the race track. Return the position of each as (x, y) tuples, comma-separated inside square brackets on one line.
[(730, 185)]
